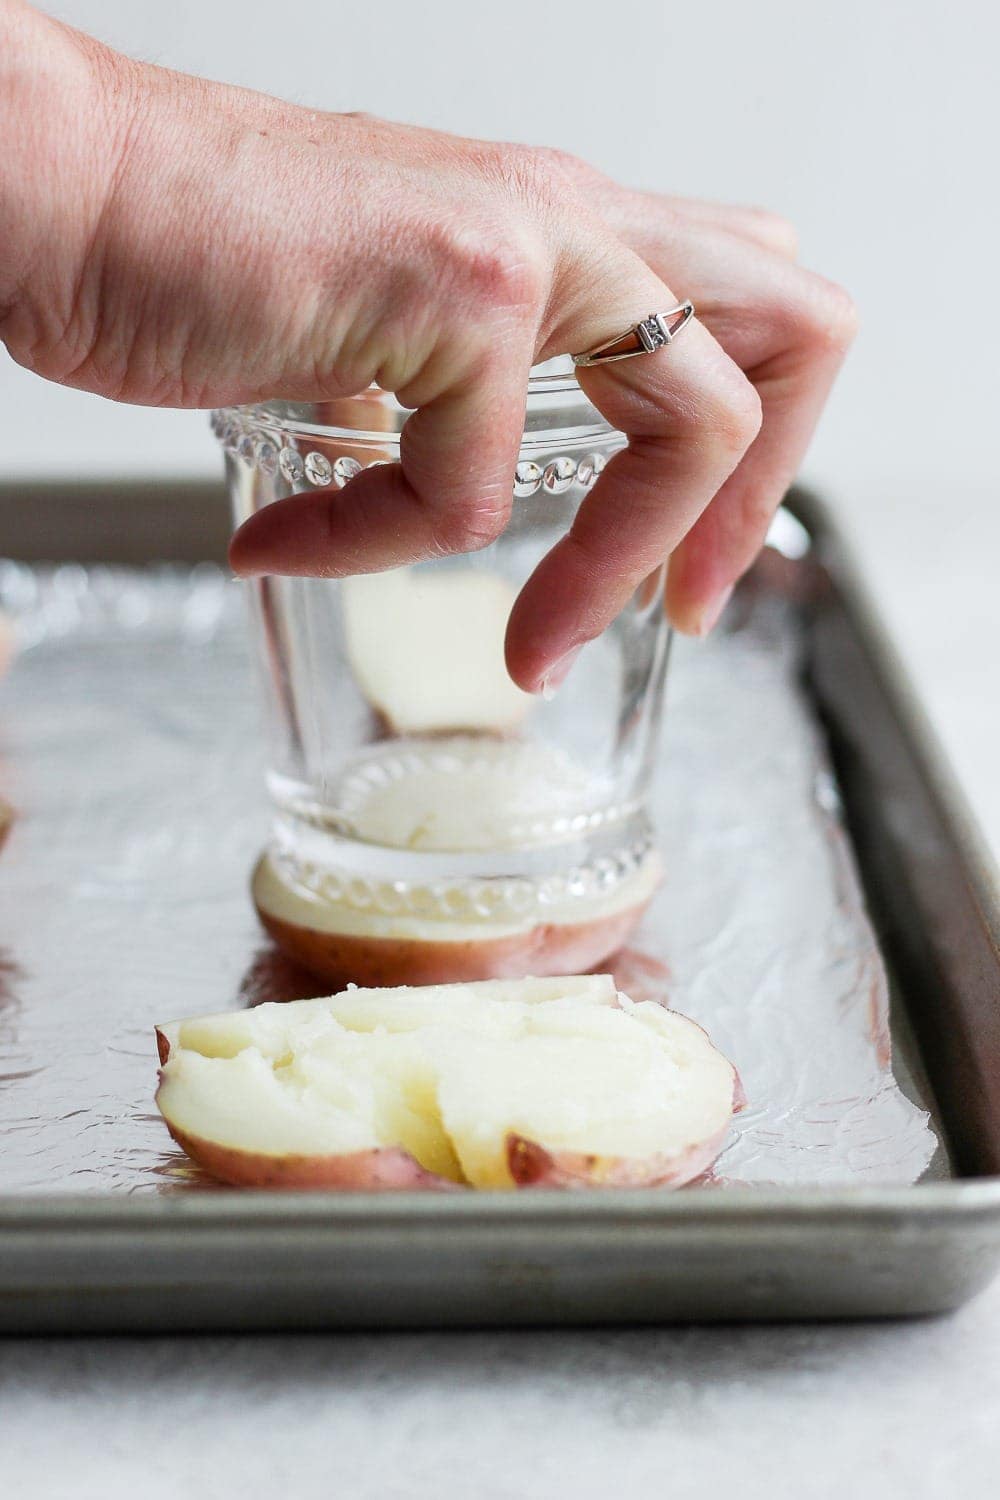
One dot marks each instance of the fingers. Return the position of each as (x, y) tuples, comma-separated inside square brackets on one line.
[(692, 481), (786, 328), (451, 492), (634, 215), (689, 416), (758, 225), (793, 383), (629, 211), (789, 331)]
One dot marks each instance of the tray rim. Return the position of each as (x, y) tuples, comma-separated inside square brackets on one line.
[(976, 1198), (973, 1198), (844, 564)]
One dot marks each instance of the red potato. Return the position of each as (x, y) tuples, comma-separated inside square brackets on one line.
[(387, 1169), (502, 1084), (530, 1165), (550, 948), (427, 649), (346, 946)]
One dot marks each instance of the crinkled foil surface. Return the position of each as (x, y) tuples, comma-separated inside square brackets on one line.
[(130, 752)]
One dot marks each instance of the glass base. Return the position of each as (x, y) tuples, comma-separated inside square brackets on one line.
[(426, 848)]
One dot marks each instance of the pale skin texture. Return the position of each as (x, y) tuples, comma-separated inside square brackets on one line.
[(174, 242)]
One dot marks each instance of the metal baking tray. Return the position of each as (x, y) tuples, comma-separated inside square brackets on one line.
[(220, 1259)]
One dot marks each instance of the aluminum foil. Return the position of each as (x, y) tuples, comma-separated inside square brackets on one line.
[(131, 755)]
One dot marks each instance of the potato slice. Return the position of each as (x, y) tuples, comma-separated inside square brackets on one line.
[(347, 1115), (636, 1096), (536, 1082), (342, 942), (426, 649)]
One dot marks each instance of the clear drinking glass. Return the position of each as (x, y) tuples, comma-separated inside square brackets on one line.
[(431, 821)]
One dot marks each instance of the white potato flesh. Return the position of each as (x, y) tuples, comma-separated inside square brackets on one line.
[(277, 1028), (614, 1084), (490, 1007), (426, 649), (450, 1075), (464, 791), (334, 1095), (248, 1102)]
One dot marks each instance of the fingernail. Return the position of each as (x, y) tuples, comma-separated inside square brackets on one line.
[(712, 613), (557, 674)]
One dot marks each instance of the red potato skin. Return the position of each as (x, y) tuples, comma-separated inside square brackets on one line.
[(391, 1169), (531, 1165), (381, 962), (387, 1170)]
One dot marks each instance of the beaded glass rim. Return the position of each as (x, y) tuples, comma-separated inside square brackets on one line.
[(504, 898), (274, 451)]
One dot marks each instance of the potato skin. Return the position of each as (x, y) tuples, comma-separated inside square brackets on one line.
[(548, 949), (531, 1166), (389, 1169)]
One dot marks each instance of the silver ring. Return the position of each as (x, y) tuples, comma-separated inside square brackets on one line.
[(657, 331)]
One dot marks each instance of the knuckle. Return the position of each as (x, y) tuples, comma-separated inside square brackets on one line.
[(548, 179), (775, 229), (842, 314), (733, 412), (498, 267), (756, 512), (557, 164), (471, 528), (828, 317)]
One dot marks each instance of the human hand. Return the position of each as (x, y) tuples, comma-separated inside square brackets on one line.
[(191, 244)]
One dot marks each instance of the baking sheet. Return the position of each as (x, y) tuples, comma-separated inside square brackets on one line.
[(130, 750)]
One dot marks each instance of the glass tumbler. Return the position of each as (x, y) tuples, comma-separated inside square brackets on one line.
[(431, 822)]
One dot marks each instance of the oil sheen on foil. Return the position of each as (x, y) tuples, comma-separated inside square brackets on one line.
[(130, 752)]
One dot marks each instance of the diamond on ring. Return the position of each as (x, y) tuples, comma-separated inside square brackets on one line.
[(657, 331)]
